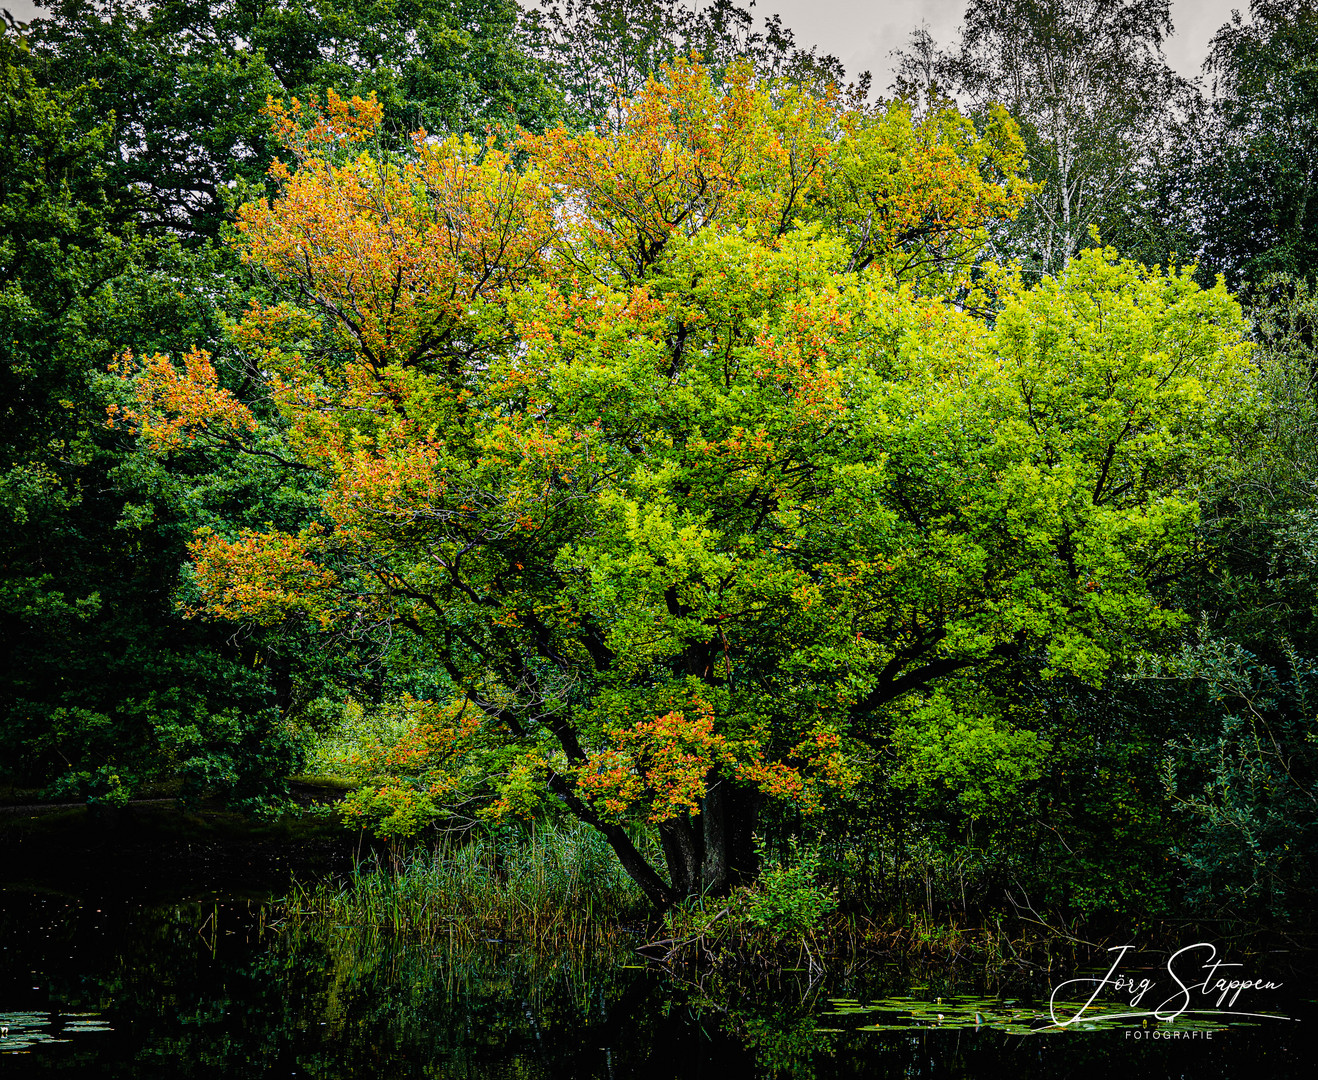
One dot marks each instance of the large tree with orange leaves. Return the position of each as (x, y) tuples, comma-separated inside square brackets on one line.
[(678, 447)]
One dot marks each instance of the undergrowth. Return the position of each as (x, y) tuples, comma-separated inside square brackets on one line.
[(558, 884)]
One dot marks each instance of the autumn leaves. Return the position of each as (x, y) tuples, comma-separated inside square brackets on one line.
[(677, 446)]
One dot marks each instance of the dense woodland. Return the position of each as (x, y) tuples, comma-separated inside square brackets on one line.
[(621, 413)]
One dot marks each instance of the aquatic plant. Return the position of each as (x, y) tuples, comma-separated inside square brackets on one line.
[(554, 883)]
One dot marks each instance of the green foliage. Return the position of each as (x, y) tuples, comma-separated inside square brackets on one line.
[(181, 84), (104, 684), (782, 909), (1098, 836), (415, 764), (769, 492), (1259, 177), (1118, 142), (1247, 773), (972, 765), (1010, 792), (346, 731), (1240, 766), (1257, 582), (787, 898), (713, 498)]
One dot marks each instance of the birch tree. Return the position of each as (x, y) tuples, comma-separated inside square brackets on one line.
[(1088, 83)]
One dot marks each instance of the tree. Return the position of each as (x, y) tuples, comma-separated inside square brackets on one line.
[(684, 497), (102, 684), (184, 82), (1259, 174), (602, 51), (1097, 105), (1241, 766)]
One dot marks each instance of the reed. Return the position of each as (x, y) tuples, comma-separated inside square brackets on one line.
[(559, 884), (715, 937)]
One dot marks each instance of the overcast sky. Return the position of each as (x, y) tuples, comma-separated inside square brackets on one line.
[(863, 32)]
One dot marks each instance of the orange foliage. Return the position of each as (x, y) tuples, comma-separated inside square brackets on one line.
[(439, 732), (664, 763), (340, 122), (178, 408), (689, 154), (666, 759), (399, 254), (261, 576), (913, 196)]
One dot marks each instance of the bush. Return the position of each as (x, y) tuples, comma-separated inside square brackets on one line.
[(787, 898)]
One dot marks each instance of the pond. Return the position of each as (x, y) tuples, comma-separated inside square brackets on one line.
[(110, 968)]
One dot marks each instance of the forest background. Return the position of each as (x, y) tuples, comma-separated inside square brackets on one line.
[(984, 576)]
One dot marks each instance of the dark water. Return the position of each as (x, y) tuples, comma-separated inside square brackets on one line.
[(135, 972)]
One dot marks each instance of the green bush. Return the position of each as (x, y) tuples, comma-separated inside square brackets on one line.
[(787, 898)]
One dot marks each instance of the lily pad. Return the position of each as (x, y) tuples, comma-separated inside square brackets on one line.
[(26, 1029)]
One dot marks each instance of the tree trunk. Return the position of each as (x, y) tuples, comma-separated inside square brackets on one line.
[(711, 853), (728, 820), (633, 862), (714, 872), (743, 813), (682, 844)]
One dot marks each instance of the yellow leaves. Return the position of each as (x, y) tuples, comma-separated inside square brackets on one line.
[(522, 788), (915, 198), (274, 334), (459, 262), (400, 256), (175, 408), (800, 355), (415, 759), (631, 407), (399, 484), (689, 154), (265, 577), (613, 783), (309, 130), (1124, 367), (605, 323)]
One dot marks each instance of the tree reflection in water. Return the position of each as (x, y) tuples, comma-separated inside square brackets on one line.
[(217, 989)]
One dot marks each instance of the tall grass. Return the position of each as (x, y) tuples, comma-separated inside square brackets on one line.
[(559, 884)]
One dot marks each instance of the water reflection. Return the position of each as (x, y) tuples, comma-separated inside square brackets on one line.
[(218, 989)]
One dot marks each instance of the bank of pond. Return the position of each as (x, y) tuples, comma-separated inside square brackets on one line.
[(152, 949)]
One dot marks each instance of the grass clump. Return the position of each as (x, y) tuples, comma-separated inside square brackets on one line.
[(557, 884)]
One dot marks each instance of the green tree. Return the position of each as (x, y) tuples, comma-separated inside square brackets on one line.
[(103, 684), (1240, 763), (1245, 774), (184, 82), (1259, 173), (689, 505)]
